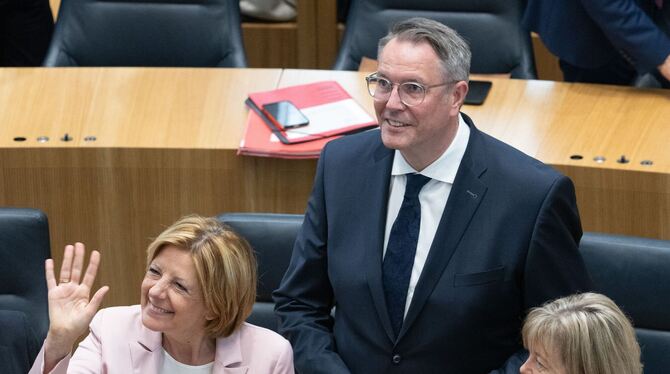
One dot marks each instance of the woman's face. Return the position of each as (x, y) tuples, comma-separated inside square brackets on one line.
[(171, 298), (543, 361)]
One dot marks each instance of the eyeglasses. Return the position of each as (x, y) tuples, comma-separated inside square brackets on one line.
[(410, 93)]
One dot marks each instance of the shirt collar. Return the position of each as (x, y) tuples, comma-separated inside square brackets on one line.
[(445, 167)]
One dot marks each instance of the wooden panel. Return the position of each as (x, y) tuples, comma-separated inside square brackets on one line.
[(271, 45), (116, 200), (307, 36), (545, 62), (622, 201), (328, 44), (55, 5)]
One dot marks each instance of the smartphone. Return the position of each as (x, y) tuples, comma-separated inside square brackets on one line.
[(477, 92), (285, 115)]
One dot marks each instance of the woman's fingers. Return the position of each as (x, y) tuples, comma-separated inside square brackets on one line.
[(66, 266), (96, 300), (78, 263), (92, 269), (49, 271)]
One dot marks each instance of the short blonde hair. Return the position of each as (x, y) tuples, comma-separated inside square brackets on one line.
[(225, 266), (588, 332)]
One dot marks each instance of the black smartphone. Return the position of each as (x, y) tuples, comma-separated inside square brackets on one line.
[(285, 115), (477, 92)]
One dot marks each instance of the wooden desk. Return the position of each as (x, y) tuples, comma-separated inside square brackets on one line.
[(166, 146), (166, 143)]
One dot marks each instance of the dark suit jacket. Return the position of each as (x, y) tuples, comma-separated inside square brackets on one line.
[(590, 33), (18, 344), (507, 241), (26, 27)]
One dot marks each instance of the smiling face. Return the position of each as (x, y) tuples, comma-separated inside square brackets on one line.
[(171, 298), (421, 132), (542, 361)]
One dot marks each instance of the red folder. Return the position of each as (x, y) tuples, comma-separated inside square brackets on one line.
[(257, 141), (330, 109)]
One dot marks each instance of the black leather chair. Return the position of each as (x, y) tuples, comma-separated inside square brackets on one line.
[(272, 237), (492, 28), (635, 273), (24, 315), (179, 33)]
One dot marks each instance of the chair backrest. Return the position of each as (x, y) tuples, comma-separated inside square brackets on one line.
[(492, 28), (24, 245), (635, 273), (180, 33), (272, 237)]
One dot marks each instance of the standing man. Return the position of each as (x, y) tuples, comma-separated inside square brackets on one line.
[(430, 238), (605, 41)]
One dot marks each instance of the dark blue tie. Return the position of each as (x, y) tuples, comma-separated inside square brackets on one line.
[(399, 257)]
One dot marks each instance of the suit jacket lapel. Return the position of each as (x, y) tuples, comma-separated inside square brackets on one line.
[(377, 190), (466, 194), (145, 351), (228, 358)]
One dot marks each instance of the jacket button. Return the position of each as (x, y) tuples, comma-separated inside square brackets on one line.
[(396, 359)]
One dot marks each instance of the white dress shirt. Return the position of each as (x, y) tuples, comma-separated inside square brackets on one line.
[(433, 197)]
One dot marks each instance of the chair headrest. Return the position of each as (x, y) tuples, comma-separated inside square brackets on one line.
[(634, 272)]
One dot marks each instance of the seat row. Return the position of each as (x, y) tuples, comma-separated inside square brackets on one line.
[(632, 271), (207, 33)]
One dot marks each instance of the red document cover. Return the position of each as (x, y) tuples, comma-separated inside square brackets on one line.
[(331, 112), (257, 142)]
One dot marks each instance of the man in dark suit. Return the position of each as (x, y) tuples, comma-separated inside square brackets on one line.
[(604, 41), (430, 238)]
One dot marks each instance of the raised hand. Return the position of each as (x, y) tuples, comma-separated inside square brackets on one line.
[(70, 310)]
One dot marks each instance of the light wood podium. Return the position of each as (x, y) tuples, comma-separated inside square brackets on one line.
[(150, 145)]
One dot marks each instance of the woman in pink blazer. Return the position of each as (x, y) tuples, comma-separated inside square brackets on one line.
[(199, 288)]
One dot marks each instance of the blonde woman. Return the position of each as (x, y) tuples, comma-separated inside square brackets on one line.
[(580, 334), (198, 289)]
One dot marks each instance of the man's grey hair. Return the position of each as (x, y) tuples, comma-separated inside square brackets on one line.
[(451, 48)]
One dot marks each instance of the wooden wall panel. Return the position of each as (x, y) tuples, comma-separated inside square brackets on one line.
[(117, 200), (271, 45), (545, 62), (622, 201)]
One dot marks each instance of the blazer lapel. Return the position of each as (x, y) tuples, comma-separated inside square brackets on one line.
[(377, 190), (466, 194), (145, 352), (228, 359)]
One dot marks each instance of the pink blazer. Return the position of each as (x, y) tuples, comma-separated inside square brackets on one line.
[(120, 344)]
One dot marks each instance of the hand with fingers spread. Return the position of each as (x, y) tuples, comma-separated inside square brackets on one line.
[(70, 309)]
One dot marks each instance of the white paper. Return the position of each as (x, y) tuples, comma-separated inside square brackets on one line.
[(329, 117)]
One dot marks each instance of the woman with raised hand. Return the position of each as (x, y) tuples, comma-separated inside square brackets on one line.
[(199, 287)]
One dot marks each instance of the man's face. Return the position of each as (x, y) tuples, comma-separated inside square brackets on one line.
[(421, 132)]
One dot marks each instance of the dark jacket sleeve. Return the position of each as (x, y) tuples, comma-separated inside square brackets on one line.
[(631, 30), (305, 297), (554, 267)]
